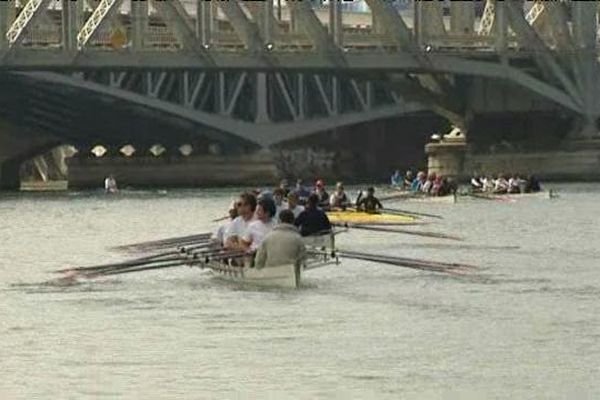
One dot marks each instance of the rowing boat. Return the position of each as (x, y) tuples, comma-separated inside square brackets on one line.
[(549, 194), (418, 197), (320, 249), (362, 218)]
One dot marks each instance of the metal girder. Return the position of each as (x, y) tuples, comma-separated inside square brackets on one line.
[(105, 10), (262, 14), (559, 25), (245, 29), (392, 22), (487, 19), (432, 19), (536, 12), (191, 88), (204, 22), (173, 12), (71, 21), (323, 42), (336, 29), (584, 24), (543, 56), (5, 8), (30, 13)]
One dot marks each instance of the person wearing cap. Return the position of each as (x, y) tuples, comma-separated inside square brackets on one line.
[(313, 220), (246, 206), (219, 235), (370, 203), (283, 245), (339, 199), (258, 229), (293, 206), (321, 194)]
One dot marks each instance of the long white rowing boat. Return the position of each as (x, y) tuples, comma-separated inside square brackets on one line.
[(545, 194), (282, 276)]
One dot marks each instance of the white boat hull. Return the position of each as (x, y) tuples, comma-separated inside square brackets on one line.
[(283, 276)]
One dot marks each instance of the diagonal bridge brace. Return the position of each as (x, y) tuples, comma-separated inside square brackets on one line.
[(28, 16)]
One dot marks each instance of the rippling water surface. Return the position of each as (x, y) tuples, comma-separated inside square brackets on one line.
[(524, 325)]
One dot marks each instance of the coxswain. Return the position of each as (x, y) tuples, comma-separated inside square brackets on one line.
[(219, 236), (110, 185), (321, 194), (370, 203), (313, 220), (339, 199), (396, 179), (408, 180), (282, 246), (532, 185), (246, 206), (261, 226), (292, 204)]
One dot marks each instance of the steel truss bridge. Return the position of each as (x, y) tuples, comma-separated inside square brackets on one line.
[(269, 72)]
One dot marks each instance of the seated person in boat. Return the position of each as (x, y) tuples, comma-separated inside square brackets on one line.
[(476, 184), (283, 245), (285, 187), (278, 196), (396, 179), (418, 182), (488, 184), (339, 199), (501, 185), (532, 185), (370, 203), (313, 220), (322, 194), (428, 185), (219, 235), (110, 184), (293, 206), (246, 206), (437, 187), (302, 192), (408, 180), (514, 184), (259, 228)]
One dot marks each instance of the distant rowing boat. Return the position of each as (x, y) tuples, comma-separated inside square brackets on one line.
[(353, 217), (321, 252), (546, 194)]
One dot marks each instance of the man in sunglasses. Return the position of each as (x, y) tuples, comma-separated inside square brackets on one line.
[(245, 209)]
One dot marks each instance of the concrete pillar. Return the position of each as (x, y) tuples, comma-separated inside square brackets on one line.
[(462, 17), (336, 29), (139, 14), (204, 21), (262, 111), (500, 25), (446, 158)]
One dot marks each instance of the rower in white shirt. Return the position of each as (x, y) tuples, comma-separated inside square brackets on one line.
[(293, 205), (236, 229), (259, 228)]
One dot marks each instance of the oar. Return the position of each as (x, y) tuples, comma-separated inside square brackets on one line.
[(436, 235), (170, 241), (221, 219), (402, 195), (411, 213)]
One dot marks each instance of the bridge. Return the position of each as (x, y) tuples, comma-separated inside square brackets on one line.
[(251, 75)]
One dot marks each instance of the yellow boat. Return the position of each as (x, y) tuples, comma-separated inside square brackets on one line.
[(358, 217)]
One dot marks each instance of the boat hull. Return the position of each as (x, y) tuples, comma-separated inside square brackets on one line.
[(283, 276), (358, 218)]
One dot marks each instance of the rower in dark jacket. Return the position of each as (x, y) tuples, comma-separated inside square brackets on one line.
[(313, 220), (370, 203)]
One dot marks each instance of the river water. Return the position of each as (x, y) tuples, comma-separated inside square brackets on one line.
[(526, 324)]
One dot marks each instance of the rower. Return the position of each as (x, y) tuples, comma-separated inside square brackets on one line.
[(501, 185), (396, 179), (514, 184), (246, 206), (428, 184), (321, 194), (476, 184), (283, 245), (313, 220), (370, 203), (278, 196), (437, 188), (408, 180), (301, 192), (285, 187), (219, 235), (263, 224), (339, 199), (293, 206), (110, 185), (417, 184), (488, 184)]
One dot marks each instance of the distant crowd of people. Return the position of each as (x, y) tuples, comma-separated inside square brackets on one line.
[(431, 184), (505, 184)]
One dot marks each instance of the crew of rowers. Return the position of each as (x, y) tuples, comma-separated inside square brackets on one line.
[(432, 184), (503, 185), (263, 222)]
